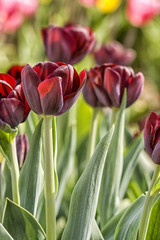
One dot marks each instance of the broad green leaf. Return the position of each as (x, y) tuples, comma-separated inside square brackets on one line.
[(20, 223), (31, 175), (65, 163), (130, 163), (153, 232), (40, 214), (108, 230), (5, 184), (112, 170), (4, 145), (6, 128), (96, 233), (127, 228), (85, 195), (4, 235)]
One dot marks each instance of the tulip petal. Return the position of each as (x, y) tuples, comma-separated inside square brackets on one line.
[(102, 96), (44, 69), (134, 89), (156, 153), (30, 82), (112, 85), (7, 83), (15, 71), (11, 111), (51, 95), (89, 95)]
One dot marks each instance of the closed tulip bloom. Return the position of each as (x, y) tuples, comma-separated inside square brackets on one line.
[(152, 137), (106, 83), (114, 52), (13, 106), (68, 44), (51, 88), (140, 12), (22, 146)]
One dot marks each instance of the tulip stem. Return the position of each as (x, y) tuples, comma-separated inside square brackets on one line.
[(92, 134), (49, 185), (14, 169), (147, 207)]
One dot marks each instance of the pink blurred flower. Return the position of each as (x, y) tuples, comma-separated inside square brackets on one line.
[(87, 3), (12, 13), (140, 12)]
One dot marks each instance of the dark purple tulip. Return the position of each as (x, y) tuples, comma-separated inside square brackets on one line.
[(51, 88), (22, 148), (114, 52), (106, 83), (13, 106), (15, 71), (152, 137), (67, 44)]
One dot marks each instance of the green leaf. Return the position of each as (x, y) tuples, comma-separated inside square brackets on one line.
[(153, 232), (6, 185), (109, 229), (41, 214), (4, 235), (20, 223), (109, 191), (4, 145), (130, 163), (85, 195), (65, 163), (96, 233), (127, 228), (31, 175)]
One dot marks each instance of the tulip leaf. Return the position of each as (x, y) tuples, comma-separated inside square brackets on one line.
[(127, 228), (112, 170), (4, 235), (20, 223), (65, 162), (4, 145), (6, 185), (31, 175), (6, 128), (153, 232), (40, 214), (130, 163), (85, 195), (96, 233), (109, 229)]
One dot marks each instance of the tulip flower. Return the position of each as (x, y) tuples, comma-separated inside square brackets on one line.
[(152, 136), (22, 146), (15, 71), (12, 13), (13, 106), (51, 88), (106, 83), (68, 44), (114, 52), (140, 12)]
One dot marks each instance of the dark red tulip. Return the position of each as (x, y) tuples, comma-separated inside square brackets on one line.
[(51, 88), (13, 105), (106, 83), (152, 137), (67, 44), (114, 52), (22, 148), (15, 71)]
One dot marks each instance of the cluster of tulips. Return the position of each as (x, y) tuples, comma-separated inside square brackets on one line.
[(50, 89)]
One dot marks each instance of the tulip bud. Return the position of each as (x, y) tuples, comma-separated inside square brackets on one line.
[(114, 52), (22, 148), (106, 83), (51, 88), (152, 136), (67, 44)]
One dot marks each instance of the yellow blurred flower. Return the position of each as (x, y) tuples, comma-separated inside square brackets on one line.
[(45, 1), (107, 5)]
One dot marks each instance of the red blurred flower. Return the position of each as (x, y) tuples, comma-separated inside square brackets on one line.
[(12, 13), (67, 44), (140, 12), (114, 52), (13, 106), (51, 88), (106, 83), (22, 146), (152, 137)]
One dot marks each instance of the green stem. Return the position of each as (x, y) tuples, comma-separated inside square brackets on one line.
[(49, 187), (14, 169), (92, 135), (147, 207)]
